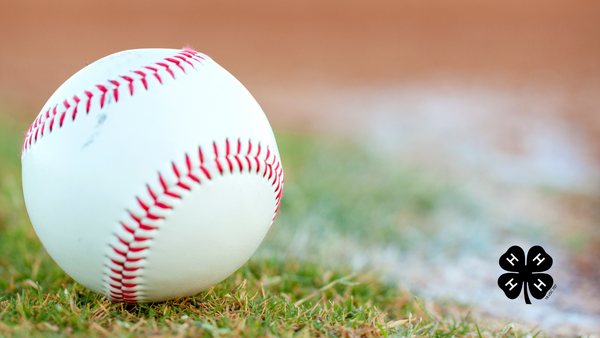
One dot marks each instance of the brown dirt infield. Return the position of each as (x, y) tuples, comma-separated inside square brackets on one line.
[(266, 41)]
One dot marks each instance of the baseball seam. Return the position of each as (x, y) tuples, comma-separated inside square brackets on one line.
[(55, 116), (123, 275)]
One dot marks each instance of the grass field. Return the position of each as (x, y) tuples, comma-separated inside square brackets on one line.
[(286, 289)]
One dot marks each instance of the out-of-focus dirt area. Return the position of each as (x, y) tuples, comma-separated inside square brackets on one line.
[(267, 42), (453, 75)]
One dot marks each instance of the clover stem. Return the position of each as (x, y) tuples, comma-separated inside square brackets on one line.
[(527, 301)]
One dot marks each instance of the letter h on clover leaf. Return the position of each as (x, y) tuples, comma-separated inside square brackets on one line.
[(529, 274)]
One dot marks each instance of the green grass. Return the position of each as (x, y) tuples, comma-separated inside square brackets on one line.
[(276, 293), (347, 187)]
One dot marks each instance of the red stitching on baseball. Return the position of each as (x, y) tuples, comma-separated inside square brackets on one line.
[(227, 155), (151, 193), (120, 272), (119, 252), (89, 95), (184, 60), (239, 149), (204, 170), (130, 80), (217, 158), (144, 206), (128, 229), (176, 62), (135, 218), (162, 182), (76, 99), (103, 89), (185, 56), (155, 70), (116, 90), (67, 106), (175, 170), (143, 75), (256, 159), (168, 193), (154, 217), (192, 54), (181, 185), (62, 119), (248, 155), (166, 66)]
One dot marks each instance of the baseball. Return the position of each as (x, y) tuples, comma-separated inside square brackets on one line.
[(151, 174)]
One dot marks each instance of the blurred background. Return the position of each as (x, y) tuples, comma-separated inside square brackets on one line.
[(420, 139)]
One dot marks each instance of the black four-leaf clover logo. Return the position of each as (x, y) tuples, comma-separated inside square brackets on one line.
[(527, 275)]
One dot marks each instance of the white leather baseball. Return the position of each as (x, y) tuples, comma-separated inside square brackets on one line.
[(151, 174)]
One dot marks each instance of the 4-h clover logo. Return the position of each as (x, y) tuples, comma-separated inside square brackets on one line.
[(526, 274)]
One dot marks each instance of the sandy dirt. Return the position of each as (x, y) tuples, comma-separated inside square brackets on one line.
[(289, 43)]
